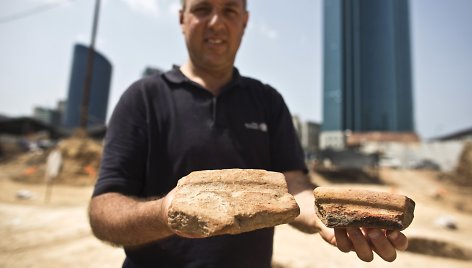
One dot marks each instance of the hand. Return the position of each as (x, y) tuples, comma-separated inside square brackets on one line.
[(366, 241), (164, 210)]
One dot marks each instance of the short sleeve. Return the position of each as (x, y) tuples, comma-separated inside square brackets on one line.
[(122, 167), (286, 151)]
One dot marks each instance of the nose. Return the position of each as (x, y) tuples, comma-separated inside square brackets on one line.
[(215, 20)]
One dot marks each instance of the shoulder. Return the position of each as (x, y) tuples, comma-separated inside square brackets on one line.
[(263, 92), (256, 86), (146, 84), (146, 88)]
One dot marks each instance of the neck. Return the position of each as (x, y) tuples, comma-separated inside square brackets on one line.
[(211, 80)]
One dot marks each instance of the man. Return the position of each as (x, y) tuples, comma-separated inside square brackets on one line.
[(204, 115)]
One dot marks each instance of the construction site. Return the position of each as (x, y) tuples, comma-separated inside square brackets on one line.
[(367, 138), (44, 222)]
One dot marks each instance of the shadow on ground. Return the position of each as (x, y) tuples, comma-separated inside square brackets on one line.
[(438, 248), (350, 176)]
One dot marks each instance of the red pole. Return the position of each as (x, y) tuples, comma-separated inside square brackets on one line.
[(89, 73)]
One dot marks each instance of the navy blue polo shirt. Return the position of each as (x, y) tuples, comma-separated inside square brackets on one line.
[(166, 126)]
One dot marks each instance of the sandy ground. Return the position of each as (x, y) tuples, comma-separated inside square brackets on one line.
[(56, 234)]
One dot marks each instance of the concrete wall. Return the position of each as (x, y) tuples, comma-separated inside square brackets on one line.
[(446, 154)]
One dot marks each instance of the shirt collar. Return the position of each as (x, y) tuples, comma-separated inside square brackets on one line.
[(176, 76)]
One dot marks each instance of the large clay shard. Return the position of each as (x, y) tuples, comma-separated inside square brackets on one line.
[(338, 207), (230, 201)]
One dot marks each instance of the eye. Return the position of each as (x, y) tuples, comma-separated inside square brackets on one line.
[(201, 10), (231, 11)]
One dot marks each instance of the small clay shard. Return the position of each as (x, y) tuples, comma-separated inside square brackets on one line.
[(338, 207)]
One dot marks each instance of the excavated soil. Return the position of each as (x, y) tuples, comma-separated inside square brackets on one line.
[(36, 233)]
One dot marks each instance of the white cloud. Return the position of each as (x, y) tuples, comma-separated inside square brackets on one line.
[(267, 31), (174, 8), (50, 1), (148, 7), (82, 38), (263, 29), (154, 8), (53, 2)]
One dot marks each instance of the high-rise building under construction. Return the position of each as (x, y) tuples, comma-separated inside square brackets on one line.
[(99, 89)]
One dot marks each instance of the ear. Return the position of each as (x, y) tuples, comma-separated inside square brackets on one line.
[(246, 19), (181, 16), (181, 19)]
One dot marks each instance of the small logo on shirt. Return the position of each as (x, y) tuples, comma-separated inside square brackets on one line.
[(257, 126)]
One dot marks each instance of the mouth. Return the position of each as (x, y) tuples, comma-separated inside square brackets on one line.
[(215, 42)]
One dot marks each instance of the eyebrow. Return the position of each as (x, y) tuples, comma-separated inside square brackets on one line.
[(226, 4), (234, 3)]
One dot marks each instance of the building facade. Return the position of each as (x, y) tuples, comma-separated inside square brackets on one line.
[(308, 133), (51, 117), (99, 90), (309, 138), (48, 116), (367, 67)]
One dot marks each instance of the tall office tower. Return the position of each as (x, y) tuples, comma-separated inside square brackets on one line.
[(99, 90), (367, 68)]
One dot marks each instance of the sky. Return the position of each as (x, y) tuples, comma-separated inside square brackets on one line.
[(282, 46)]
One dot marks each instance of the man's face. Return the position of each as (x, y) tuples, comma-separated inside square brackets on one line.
[(213, 30)]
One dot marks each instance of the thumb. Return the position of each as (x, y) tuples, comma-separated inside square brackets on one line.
[(165, 205)]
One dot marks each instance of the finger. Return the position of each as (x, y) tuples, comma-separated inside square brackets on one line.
[(382, 245), (182, 234), (328, 235), (398, 240), (361, 245), (342, 240)]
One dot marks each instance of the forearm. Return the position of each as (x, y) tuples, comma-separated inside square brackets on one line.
[(302, 189), (128, 222)]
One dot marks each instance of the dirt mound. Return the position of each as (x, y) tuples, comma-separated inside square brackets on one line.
[(81, 159), (462, 175), (464, 169)]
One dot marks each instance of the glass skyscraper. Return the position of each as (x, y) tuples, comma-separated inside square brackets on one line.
[(99, 89), (367, 66)]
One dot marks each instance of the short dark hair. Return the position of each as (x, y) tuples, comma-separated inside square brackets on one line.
[(182, 2)]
